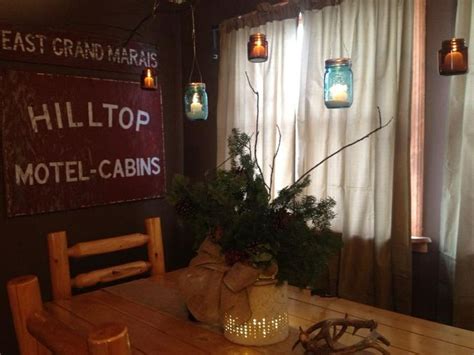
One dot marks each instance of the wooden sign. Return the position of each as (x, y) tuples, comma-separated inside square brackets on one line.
[(71, 142), (74, 50)]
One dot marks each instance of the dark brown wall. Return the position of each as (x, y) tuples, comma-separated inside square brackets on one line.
[(23, 239)]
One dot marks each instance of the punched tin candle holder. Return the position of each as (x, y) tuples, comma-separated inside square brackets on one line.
[(257, 48), (195, 101), (453, 57), (149, 79), (269, 321), (338, 83)]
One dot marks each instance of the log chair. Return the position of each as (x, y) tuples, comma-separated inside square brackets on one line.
[(59, 255), (39, 333)]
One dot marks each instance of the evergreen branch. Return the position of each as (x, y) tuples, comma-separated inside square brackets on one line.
[(346, 146), (274, 158), (256, 131)]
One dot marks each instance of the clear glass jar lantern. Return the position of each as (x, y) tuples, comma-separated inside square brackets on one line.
[(453, 57), (338, 83), (195, 101), (257, 48)]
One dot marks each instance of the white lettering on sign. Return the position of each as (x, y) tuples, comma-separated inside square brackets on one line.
[(45, 116), (63, 47), (104, 117), (74, 172)]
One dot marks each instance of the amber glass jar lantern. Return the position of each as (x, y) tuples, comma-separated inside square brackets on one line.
[(453, 57), (257, 48), (149, 79)]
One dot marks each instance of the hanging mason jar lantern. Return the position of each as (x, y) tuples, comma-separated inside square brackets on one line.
[(195, 96), (257, 48), (453, 57), (195, 101), (338, 83), (149, 79)]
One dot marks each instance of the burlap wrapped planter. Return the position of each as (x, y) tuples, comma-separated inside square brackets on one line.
[(269, 320)]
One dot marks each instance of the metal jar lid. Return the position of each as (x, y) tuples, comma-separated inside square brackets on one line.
[(338, 62)]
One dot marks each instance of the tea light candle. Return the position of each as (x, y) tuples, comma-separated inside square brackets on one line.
[(196, 106), (149, 82), (258, 50), (339, 93), (454, 60)]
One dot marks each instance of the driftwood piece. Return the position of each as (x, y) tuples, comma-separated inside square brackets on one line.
[(331, 330)]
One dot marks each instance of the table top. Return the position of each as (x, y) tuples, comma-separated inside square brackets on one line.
[(158, 323)]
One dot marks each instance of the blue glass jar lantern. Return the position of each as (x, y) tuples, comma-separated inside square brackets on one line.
[(195, 101), (338, 83)]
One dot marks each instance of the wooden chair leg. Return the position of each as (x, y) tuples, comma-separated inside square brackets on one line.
[(155, 245), (109, 339), (25, 300), (59, 265)]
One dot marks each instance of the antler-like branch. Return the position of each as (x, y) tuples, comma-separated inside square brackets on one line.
[(325, 342)]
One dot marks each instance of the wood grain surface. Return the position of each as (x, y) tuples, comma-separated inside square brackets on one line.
[(157, 321)]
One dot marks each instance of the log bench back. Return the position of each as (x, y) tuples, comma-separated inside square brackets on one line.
[(59, 254)]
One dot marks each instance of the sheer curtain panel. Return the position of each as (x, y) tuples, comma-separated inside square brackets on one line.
[(370, 181), (277, 83)]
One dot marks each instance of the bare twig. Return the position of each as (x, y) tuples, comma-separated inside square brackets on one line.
[(274, 158), (221, 164), (256, 131), (346, 146)]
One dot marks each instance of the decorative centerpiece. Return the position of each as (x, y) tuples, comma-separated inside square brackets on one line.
[(250, 245)]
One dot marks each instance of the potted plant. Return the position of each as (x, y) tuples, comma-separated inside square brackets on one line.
[(234, 220)]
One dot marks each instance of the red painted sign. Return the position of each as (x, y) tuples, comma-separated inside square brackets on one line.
[(74, 50), (71, 142)]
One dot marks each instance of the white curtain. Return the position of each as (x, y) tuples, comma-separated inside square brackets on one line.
[(368, 181), (276, 82), (457, 211), (376, 35)]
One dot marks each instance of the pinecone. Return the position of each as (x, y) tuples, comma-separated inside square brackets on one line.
[(184, 208), (234, 256)]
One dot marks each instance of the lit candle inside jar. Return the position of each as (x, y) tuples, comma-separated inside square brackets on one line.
[(149, 81), (338, 92), (258, 50), (454, 61), (196, 106)]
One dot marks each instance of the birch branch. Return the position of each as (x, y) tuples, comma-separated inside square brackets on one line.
[(256, 131)]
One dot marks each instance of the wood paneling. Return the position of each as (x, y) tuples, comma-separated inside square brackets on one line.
[(23, 239)]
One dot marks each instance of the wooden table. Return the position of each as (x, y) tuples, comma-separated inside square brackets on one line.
[(157, 321)]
